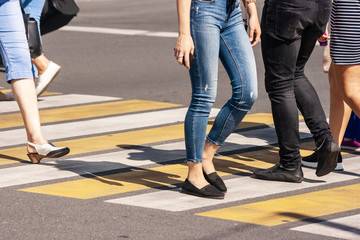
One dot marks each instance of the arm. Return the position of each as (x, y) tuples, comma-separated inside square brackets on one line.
[(184, 45), (254, 26)]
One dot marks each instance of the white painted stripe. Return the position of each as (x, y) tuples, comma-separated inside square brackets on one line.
[(261, 137), (96, 126), (57, 101), (239, 188), (58, 169), (342, 228), (129, 32)]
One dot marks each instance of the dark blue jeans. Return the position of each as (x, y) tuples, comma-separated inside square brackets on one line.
[(290, 29)]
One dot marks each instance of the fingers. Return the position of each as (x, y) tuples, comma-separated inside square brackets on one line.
[(256, 39), (187, 61), (183, 57), (254, 36)]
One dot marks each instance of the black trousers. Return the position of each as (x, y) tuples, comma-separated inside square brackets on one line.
[(290, 29)]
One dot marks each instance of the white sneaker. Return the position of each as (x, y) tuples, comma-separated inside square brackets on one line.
[(47, 77)]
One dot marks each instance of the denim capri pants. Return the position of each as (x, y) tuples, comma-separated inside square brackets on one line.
[(14, 47)]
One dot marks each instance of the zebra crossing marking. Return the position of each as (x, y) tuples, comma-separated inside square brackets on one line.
[(109, 184), (239, 188), (87, 111), (343, 228), (294, 208), (57, 101)]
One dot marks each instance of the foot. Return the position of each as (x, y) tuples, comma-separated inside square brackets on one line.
[(216, 181), (327, 154), (279, 173), (208, 191), (47, 77), (49, 150), (311, 162)]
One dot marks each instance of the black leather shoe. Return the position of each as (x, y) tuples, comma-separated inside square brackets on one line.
[(216, 181), (312, 162), (279, 173), (327, 155), (208, 191)]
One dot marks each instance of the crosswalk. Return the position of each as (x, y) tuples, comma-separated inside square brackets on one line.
[(132, 152)]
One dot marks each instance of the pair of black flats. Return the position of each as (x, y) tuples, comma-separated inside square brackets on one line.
[(216, 189)]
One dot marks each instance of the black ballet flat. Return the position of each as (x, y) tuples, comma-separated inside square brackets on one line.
[(216, 181), (208, 191)]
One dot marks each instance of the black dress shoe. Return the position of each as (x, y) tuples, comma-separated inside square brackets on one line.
[(208, 191), (311, 161), (279, 173), (216, 181), (327, 155)]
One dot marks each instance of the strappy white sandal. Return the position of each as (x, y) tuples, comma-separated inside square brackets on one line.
[(47, 150)]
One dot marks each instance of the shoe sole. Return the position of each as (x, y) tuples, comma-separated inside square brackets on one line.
[(59, 154), (198, 195), (47, 85), (329, 162), (279, 180), (356, 149), (339, 166)]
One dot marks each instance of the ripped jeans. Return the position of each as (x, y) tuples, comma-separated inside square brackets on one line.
[(215, 34)]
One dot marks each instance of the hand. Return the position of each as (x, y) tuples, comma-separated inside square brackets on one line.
[(323, 38), (254, 30), (184, 46)]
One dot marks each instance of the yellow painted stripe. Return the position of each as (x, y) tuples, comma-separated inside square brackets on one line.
[(104, 142), (294, 208), (87, 111), (258, 120), (115, 183), (44, 94), (153, 177)]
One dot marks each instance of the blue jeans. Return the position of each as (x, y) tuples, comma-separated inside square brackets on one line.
[(13, 44), (216, 34), (34, 9)]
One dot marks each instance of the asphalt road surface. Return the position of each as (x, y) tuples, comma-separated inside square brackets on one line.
[(119, 104)]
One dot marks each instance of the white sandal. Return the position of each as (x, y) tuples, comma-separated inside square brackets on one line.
[(46, 150)]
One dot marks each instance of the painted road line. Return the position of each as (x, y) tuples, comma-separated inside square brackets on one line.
[(135, 157), (138, 180), (342, 228), (112, 141), (256, 120), (42, 95), (240, 188), (57, 101), (72, 167), (117, 31), (87, 111), (104, 142), (294, 208), (115, 183), (97, 126)]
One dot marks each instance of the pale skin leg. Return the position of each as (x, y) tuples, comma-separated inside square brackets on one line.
[(339, 111), (208, 155), (41, 63), (25, 96), (347, 78)]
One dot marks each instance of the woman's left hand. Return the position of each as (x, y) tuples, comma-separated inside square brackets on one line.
[(254, 30)]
